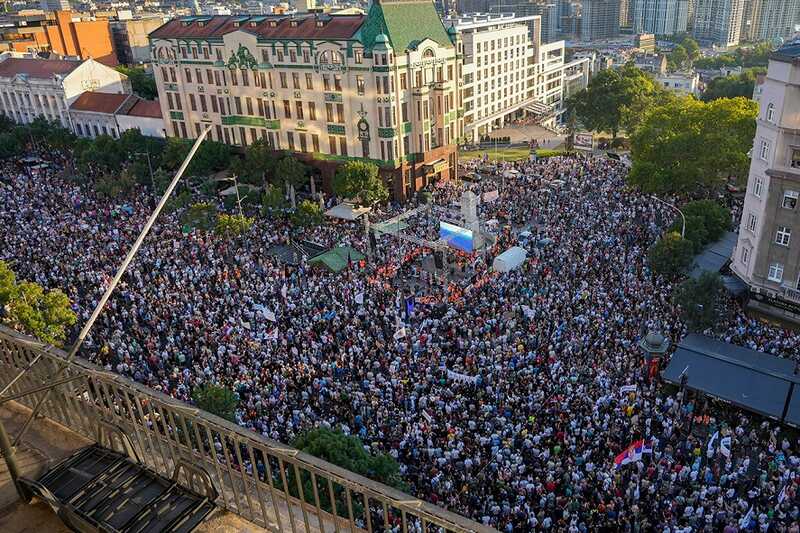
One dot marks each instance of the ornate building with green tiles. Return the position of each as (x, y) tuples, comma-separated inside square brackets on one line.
[(384, 86)]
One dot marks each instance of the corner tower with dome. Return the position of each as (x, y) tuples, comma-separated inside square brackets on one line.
[(382, 86)]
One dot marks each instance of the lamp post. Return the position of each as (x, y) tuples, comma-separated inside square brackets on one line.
[(683, 218), (654, 345), (235, 181)]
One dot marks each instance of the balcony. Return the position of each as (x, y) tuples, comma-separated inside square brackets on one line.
[(791, 294)]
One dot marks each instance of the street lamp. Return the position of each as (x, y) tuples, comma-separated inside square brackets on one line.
[(238, 199), (654, 345), (683, 218)]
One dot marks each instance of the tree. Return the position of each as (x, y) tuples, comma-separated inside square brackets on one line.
[(731, 86), (27, 307), (348, 452), (210, 157), (272, 199), (217, 400), (291, 172), (359, 181), (691, 47), (706, 221), (142, 83), (308, 213), (678, 58), (9, 145), (698, 300), (686, 144), (259, 158), (670, 255), (613, 99), (233, 225)]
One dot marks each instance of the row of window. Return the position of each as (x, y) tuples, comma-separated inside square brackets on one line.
[(499, 43), (775, 272), (280, 55), (783, 234), (789, 200)]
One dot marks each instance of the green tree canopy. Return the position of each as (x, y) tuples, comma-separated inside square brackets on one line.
[(706, 221), (210, 157), (348, 452), (233, 225), (142, 83), (27, 306), (699, 301), (259, 159), (670, 255), (9, 145), (308, 213), (731, 86), (217, 400), (360, 181), (614, 100), (679, 58), (686, 144)]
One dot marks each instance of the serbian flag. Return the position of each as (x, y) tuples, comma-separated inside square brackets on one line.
[(633, 452)]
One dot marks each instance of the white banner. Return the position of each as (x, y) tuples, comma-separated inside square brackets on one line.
[(625, 389), (360, 298), (461, 378), (725, 446), (490, 196)]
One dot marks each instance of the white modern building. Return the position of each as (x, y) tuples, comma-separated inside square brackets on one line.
[(767, 253), (680, 82), (508, 73), (96, 114), (32, 87)]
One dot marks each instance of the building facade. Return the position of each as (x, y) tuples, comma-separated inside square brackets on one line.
[(718, 22), (660, 17), (381, 86), (599, 19), (47, 87), (131, 39), (63, 32), (767, 253), (94, 114), (766, 20)]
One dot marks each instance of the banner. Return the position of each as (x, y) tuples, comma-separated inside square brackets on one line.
[(266, 312), (725, 446), (584, 141), (462, 378), (490, 196), (360, 298), (627, 388), (710, 447), (399, 334)]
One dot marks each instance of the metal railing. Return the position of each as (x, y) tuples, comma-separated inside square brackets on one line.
[(271, 484)]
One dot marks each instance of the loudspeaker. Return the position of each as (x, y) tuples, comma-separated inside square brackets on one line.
[(438, 258)]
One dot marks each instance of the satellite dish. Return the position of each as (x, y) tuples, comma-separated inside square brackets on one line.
[(777, 42)]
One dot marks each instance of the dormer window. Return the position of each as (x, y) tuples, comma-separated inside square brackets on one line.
[(201, 23), (253, 24), (273, 23), (293, 24), (320, 24)]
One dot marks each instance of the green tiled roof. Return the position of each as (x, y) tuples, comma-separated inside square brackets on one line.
[(405, 22)]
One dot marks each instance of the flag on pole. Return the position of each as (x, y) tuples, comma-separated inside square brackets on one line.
[(399, 334), (782, 495), (744, 522), (710, 447), (360, 298), (633, 452)]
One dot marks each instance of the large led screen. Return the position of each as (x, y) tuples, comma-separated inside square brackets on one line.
[(456, 236)]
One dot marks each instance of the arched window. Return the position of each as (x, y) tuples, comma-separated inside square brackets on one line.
[(330, 57), (770, 112), (428, 53)]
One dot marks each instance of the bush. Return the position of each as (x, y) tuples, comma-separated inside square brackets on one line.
[(272, 199), (545, 152), (698, 301), (670, 255)]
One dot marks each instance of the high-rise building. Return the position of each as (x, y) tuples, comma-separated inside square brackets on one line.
[(599, 19), (765, 20), (718, 21), (660, 17), (55, 5), (626, 13), (382, 86), (767, 253)]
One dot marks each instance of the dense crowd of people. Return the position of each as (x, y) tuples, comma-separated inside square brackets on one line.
[(505, 399)]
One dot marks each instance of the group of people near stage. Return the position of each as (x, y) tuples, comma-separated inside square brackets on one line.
[(507, 400)]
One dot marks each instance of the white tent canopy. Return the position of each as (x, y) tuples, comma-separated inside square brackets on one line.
[(346, 211), (510, 259)]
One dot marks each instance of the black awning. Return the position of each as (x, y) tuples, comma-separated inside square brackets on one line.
[(752, 380), (715, 255)]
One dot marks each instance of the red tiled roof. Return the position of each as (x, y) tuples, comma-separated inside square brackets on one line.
[(36, 68), (98, 102), (334, 27), (145, 108)]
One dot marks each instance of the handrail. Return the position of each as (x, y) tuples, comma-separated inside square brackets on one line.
[(167, 431)]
